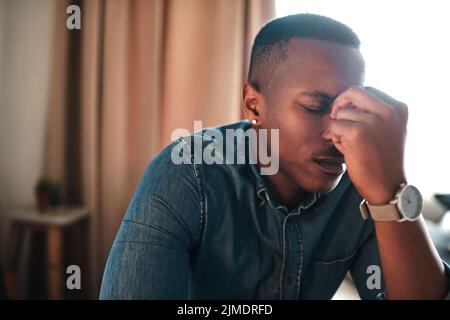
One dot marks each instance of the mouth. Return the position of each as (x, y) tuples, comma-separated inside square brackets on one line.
[(331, 165)]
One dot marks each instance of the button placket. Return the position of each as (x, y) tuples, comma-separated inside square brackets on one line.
[(292, 253), (292, 259)]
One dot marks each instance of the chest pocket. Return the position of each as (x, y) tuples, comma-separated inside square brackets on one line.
[(322, 278)]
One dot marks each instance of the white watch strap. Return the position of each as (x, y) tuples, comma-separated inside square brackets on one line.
[(386, 212)]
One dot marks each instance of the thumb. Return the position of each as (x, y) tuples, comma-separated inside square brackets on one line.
[(338, 144)]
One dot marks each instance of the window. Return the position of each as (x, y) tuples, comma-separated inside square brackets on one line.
[(407, 51)]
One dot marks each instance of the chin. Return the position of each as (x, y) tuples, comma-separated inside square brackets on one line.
[(321, 183)]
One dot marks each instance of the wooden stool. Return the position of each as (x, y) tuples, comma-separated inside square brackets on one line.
[(52, 223)]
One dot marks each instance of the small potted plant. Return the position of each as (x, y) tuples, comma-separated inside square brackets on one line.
[(54, 196), (42, 192)]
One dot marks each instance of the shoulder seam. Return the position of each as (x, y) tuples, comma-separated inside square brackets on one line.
[(202, 196)]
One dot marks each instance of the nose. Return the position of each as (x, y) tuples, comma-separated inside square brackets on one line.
[(326, 134)]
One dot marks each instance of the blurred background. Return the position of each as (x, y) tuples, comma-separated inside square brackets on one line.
[(83, 111)]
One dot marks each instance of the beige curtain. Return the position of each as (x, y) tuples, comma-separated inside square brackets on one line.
[(136, 71)]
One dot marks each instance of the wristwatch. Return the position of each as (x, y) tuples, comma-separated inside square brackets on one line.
[(406, 206)]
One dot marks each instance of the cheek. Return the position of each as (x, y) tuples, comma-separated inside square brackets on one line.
[(295, 150), (300, 133), (300, 136)]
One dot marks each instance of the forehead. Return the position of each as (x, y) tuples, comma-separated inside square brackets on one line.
[(319, 65)]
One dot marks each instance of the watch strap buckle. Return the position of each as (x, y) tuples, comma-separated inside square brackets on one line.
[(364, 210)]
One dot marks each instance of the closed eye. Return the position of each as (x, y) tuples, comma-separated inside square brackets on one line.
[(315, 109)]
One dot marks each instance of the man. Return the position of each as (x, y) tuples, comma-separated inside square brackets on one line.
[(225, 231)]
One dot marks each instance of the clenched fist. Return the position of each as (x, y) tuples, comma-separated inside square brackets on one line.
[(369, 128)]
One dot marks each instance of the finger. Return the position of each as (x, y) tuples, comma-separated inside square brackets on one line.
[(340, 129), (353, 114), (338, 132), (361, 99), (400, 106), (338, 145), (383, 96)]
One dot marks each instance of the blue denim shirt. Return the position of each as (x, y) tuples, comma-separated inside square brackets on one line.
[(214, 231)]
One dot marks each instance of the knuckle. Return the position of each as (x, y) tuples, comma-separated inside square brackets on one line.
[(404, 109), (372, 120), (354, 88), (401, 111), (388, 112), (356, 133)]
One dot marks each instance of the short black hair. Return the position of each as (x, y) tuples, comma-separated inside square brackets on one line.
[(269, 48)]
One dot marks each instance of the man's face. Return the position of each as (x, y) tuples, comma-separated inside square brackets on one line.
[(297, 102)]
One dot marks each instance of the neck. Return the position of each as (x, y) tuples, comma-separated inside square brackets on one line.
[(285, 190)]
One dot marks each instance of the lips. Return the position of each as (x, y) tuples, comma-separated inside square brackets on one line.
[(331, 165)]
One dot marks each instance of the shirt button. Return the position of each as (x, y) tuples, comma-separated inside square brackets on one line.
[(288, 280)]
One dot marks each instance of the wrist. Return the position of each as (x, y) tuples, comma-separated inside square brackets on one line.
[(384, 194), (406, 205)]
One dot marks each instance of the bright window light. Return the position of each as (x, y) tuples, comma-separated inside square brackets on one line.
[(407, 51)]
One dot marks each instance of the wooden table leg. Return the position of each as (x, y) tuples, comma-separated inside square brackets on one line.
[(16, 235), (54, 252)]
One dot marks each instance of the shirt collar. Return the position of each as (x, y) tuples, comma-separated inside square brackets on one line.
[(264, 195)]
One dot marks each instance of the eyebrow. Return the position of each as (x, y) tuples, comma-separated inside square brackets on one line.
[(318, 95)]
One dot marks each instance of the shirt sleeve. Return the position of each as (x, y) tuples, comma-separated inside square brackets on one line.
[(367, 272), (367, 265), (150, 256), (447, 273)]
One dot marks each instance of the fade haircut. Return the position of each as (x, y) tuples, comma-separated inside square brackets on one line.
[(269, 49)]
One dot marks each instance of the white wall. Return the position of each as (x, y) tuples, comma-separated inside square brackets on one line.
[(407, 55), (2, 62), (26, 30), (2, 131)]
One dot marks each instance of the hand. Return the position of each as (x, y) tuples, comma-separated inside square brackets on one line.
[(369, 128)]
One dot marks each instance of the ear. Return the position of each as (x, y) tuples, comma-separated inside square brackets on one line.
[(251, 102)]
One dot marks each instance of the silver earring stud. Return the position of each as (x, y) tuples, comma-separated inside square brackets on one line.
[(254, 121)]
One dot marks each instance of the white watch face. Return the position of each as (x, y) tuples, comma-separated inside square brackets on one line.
[(410, 202)]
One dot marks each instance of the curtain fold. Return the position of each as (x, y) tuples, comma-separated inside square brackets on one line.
[(136, 71)]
